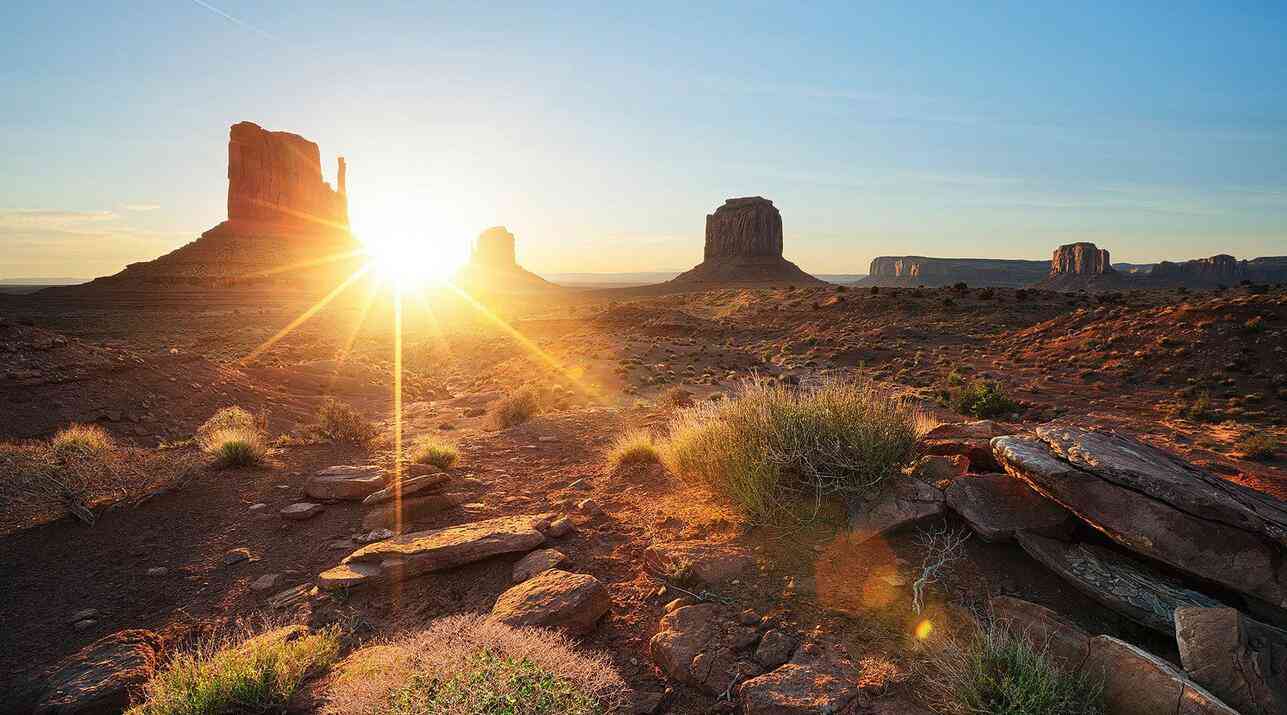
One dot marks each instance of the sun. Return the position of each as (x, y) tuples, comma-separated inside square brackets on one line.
[(410, 242)]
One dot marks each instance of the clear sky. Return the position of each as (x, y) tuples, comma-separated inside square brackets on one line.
[(602, 133)]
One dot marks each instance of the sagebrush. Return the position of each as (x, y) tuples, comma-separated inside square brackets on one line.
[(427, 450), (468, 665), (340, 422), (772, 445), (516, 408), (634, 447)]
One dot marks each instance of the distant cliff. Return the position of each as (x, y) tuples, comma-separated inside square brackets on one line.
[(1222, 269), (921, 270)]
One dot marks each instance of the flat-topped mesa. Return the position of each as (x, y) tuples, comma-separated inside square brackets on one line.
[(922, 270), (1080, 259), (749, 226), (494, 248), (275, 178), (744, 245)]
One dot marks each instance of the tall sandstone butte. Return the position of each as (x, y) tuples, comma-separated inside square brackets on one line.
[(494, 248), (276, 178), (286, 227), (1080, 259), (493, 267), (744, 245)]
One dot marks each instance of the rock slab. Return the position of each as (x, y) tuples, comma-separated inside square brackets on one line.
[(100, 678), (997, 506), (1137, 682), (1241, 661), (905, 501), (817, 680)]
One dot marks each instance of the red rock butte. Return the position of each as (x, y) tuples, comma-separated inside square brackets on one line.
[(493, 267), (286, 226), (744, 245)]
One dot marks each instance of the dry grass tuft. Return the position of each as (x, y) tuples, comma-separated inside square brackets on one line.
[(1258, 445), (241, 672), (234, 437), (635, 447), (467, 664), (516, 408), (992, 670), (78, 469), (773, 446), (427, 450), (340, 422)]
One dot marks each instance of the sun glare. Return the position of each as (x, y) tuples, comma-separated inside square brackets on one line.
[(411, 243)]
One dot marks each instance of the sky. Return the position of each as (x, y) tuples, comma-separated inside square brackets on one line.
[(601, 134)]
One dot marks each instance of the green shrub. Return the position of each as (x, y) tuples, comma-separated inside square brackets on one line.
[(471, 665), (773, 445), (1199, 409), (77, 440), (999, 673), (978, 398), (427, 450), (516, 408), (636, 447), (240, 673), (234, 437), (339, 422)]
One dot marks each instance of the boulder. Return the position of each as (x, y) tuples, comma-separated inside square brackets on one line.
[(573, 602), (1129, 587), (345, 482), (420, 552), (901, 502), (817, 680), (101, 677), (1158, 505), (1065, 643), (708, 563), (537, 562), (775, 648), (1241, 661), (1137, 682), (997, 506), (696, 645), (937, 468)]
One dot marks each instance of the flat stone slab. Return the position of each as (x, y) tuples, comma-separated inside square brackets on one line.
[(537, 562), (1137, 682), (345, 482), (904, 502), (301, 511), (1158, 505), (573, 602), (397, 515), (410, 487), (420, 552), (998, 506), (99, 678), (1131, 588)]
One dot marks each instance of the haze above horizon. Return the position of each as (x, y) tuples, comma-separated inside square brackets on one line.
[(602, 137)]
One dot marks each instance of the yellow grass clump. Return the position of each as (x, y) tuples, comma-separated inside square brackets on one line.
[(634, 447), (427, 450)]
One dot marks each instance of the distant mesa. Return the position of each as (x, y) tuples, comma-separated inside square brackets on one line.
[(1084, 266), (286, 226), (1218, 270), (493, 266), (894, 271), (744, 245)]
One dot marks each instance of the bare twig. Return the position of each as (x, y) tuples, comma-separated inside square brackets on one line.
[(943, 548)]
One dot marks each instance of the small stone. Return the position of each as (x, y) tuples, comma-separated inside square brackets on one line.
[(561, 526), (537, 562), (259, 506), (85, 624), (301, 511), (775, 649), (265, 583), (236, 556), (83, 614), (748, 618), (157, 571), (677, 603)]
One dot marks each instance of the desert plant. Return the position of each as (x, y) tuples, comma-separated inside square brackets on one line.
[(993, 671), (978, 398), (516, 407), (635, 447), (677, 397), (233, 437), (240, 672), (77, 440), (468, 665), (773, 445), (427, 450), (340, 422), (942, 548), (1255, 324), (1257, 446)]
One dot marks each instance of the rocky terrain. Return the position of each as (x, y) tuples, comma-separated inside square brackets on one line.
[(1091, 500)]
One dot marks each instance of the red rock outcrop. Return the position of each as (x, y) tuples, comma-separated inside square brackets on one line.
[(495, 248), (276, 178), (744, 245)]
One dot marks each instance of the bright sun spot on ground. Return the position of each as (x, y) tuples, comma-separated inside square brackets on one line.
[(410, 242)]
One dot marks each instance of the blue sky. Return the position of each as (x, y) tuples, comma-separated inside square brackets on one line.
[(602, 135)]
